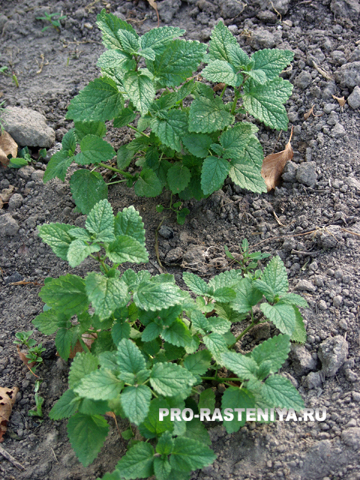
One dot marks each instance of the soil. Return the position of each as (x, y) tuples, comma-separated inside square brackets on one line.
[(315, 230)]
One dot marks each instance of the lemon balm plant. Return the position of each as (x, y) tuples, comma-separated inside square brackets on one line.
[(187, 139), (155, 346)]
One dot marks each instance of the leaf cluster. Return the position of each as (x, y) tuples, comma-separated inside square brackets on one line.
[(153, 344)]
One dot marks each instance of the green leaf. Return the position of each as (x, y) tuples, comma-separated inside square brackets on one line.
[(294, 299), (219, 325), (213, 174), (177, 334), (189, 454), (130, 42), (236, 56), (299, 333), (258, 76), (274, 351), (169, 379), (234, 140), (65, 407), (140, 89), (151, 332), (100, 222), (116, 60), (271, 61), (244, 367), (99, 385), (221, 39), (198, 144), (265, 102), (82, 129), (195, 283), (138, 462), (208, 115), (105, 294), (177, 62), (78, 251), (229, 278), (217, 346), (110, 476), (235, 398), (56, 235), (170, 127), (94, 150), (223, 294), (110, 25), (65, 294), (221, 71), (162, 468), (158, 38), (87, 434), (127, 249), (129, 222), (207, 399), (198, 363), (129, 357), (87, 189), (165, 443), (136, 402), (274, 282), (148, 184), (82, 365), (178, 177), (153, 296), (196, 430), (120, 330), (63, 342), (280, 392), (152, 427), (69, 142), (124, 157), (93, 407), (99, 100), (148, 53), (247, 296), (282, 315), (247, 176), (58, 165), (47, 322), (125, 117)]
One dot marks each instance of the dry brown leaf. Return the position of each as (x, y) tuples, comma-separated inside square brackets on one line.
[(273, 165), (219, 86), (6, 193), (87, 339), (8, 146), (309, 112), (7, 400), (153, 4), (322, 72), (24, 358), (341, 100)]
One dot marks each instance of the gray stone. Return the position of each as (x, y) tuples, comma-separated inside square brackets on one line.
[(333, 118), (267, 16), (15, 201), (348, 75), (174, 255), (3, 20), (37, 176), (205, 6), (302, 361), (231, 8), (337, 301), (261, 38), (28, 127), (338, 57), (351, 437), (168, 9), (313, 380), (338, 131), (26, 172), (194, 255), (355, 56), (356, 396), (15, 277), (303, 80), (8, 225), (354, 99), (332, 354), (289, 174), (166, 232), (306, 174), (305, 286), (345, 9), (282, 6)]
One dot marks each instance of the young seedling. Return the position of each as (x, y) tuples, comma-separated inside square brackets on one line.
[(180, 212), (33, 356), (49, 17), (37, 411), (248, 261), (24, 158), (13, 76)]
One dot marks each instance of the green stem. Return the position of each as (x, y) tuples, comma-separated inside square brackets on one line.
[(245, 331), (222, 380), (138, 131), (223, 91), (113, 183), (233, 108), (125, 174)]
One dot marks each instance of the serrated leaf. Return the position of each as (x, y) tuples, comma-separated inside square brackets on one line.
[(170, 127), (87, 189), (189, 454), (265, 102), (87, 434), (282, 315), (136, 402), (198, 363), (213, 174), (65, 294), (198, 144), (247, 296), (153, 296), (217, 345), (152, 427), (280, 392), (129, 222), (199, 322), (124, 157), (65, 407), (130, 42), (99, 385), (93, 407), (208, 115), (94, 150), (82, 365), (271, 61), (219, 325), (294, 299), (138, 462), (165, 443), (147, 53), (221, 71), (235, 398), (82, 129), (236, 56), (178, 177), (223, 294), (58, 165), (106, 294), (127, 249), (274, 350), (125, 117), (79, 250), (230, 279), (274, 282), (221, 39), (120, 330), (56, 235), (258, 75), (129, 357), (177, 334), (247, 176), (99, 100), (100, 222), (244, 367), (151, 332), (162, 468), (109, 25), (63, 342), (148, 184), (195, 283), (116, 61), (69, 142), (103, 343), (110, 476), (299, 333), (80, 233), (235, 139), (158, 38), (196, 430), (46, 322), (207, 399), (140, 89), (169, 379)]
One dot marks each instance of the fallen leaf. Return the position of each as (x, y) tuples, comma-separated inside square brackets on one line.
[(309, 112), (218, 87), (273, 165), (87, 339), (322, 72), (6, 193), (153, 4), (7, 400), (8, 146), (24, 358), (341, 100)]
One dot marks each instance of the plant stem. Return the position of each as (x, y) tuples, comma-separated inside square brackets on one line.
[(113, 183), (138, 131), (233, 108), (245, 331), (125, 174), (222, 380), (223, 91)]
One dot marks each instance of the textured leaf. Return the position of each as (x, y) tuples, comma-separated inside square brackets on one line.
[(82, 129), (127, 249), (162, 468), (235, 398), (221, 39), (236, 56), (153, 427), (94, 150), (198, 144), (282, 315), (170, 128), (154, 296), (65, 407), (219, 325), (129, 357), (274, 282), (258, 75), (105, 294), (198, 363), (152, 330), (56, 235), (78, 251), (110, 25), (274, 350), (178, 177), (148, 184), (244, 367), (66, 294), (220, 71), (140, 89), (124, 157), (224, 294), (299, 333), (208, 115), (281, 393), (271, 61), (99, 100), (177, 334), (294, 299), (169, 379), (234, 140), (58, 165), (247, 296), (136, 402), (213, 174), (99, 385), (125, 117), (129, 222), (100, 222), (195, 283), (120, 330), (130, 42), (217, 346), (47, 322), (189, 454), (82, 365), (230, 278), (87, 189), (87, 434), (196, 430), (158, 38), (138, 462), (207, 399), (63, 342)]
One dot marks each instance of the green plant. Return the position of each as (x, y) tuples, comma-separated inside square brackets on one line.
[(248, 261), (187, 139), (37, 411), (152, 345), (24, 158), (49, 17), (33, 356), (12, 75)]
